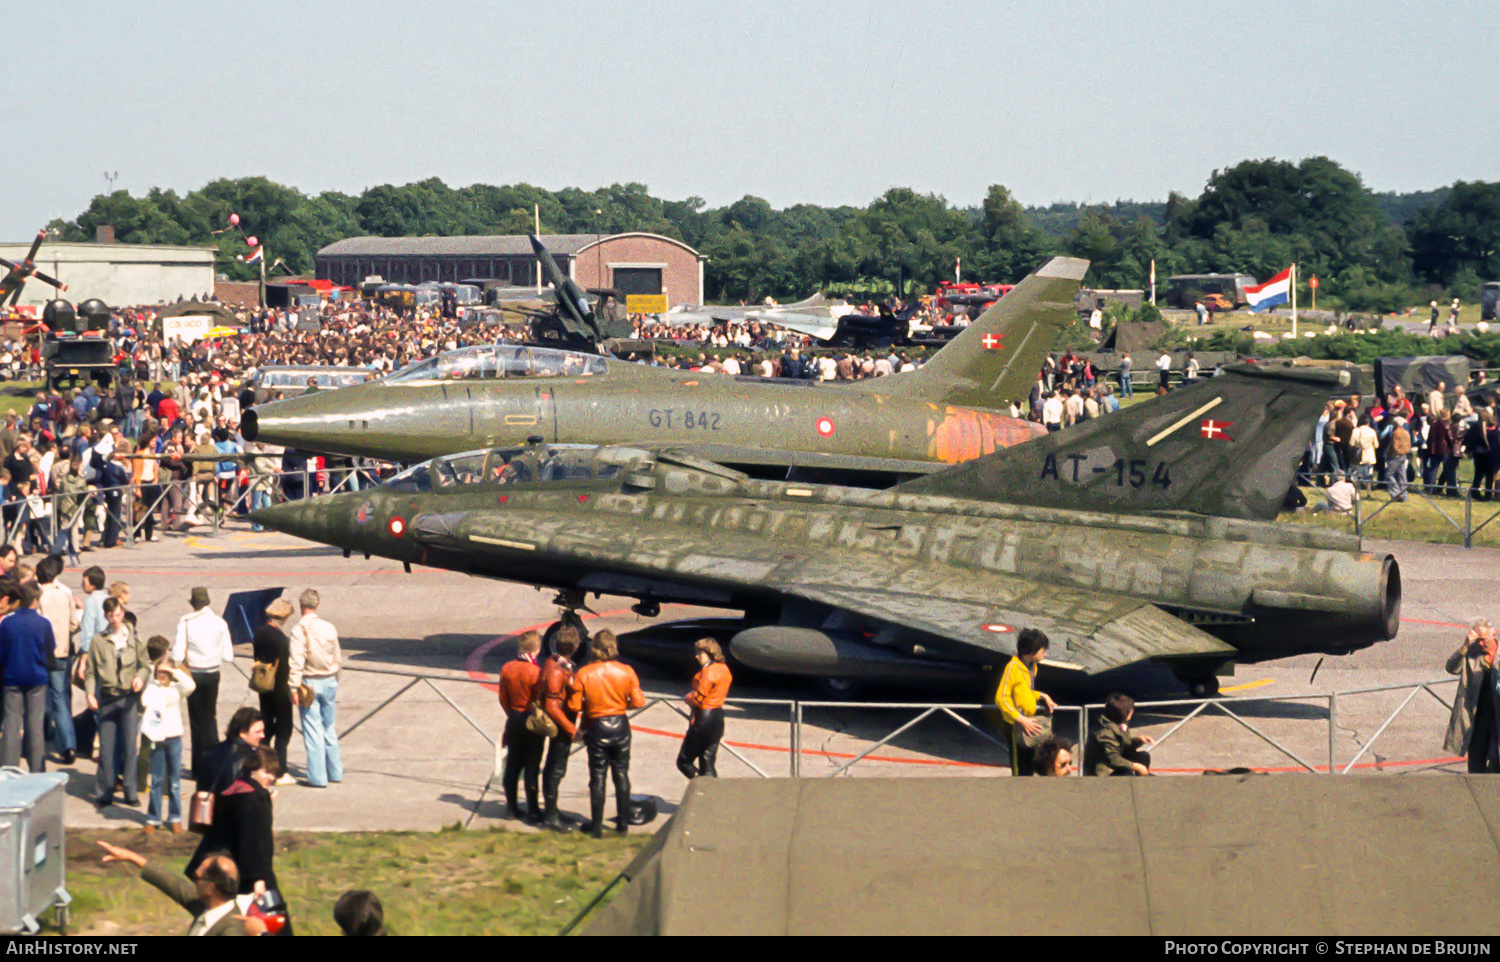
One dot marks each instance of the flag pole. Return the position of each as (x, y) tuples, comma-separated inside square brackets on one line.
[(1294, 300)]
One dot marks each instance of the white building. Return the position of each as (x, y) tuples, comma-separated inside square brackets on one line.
[(120, 275)]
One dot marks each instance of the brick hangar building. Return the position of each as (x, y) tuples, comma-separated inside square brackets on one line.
[(633, 263)]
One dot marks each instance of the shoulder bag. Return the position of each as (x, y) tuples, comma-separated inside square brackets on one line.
[(538, 722), (263, 676)]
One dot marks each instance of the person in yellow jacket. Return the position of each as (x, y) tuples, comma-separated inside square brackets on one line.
[(1017, 697)]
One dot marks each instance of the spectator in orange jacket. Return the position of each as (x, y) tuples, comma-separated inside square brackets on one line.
[(523, 748), (604, 690), (700, 746)]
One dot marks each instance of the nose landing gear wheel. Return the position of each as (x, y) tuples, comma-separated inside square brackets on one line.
[(571, 619), (1205, 687)]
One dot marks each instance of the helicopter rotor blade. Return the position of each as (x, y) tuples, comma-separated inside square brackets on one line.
[(36, 245)]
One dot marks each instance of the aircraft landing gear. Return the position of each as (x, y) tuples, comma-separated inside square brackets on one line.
[(1204, 686), (569, 616)]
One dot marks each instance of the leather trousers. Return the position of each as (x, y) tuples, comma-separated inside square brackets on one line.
[(700, 746), (608, 743), (556, 765), (523, 754)]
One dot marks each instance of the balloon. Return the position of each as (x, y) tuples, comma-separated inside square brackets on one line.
[(251, 241), (234, 219)]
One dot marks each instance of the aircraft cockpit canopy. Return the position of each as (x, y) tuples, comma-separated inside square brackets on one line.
[(499, 467), (488, 361)]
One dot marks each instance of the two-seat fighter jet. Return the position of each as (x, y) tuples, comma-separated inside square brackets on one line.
[(1148, 534)]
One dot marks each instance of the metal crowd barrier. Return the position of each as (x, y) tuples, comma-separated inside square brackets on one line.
[(1471, 523), (1231, 708), (16, 514)]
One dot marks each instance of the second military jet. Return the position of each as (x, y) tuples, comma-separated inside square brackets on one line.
[(905, 424)]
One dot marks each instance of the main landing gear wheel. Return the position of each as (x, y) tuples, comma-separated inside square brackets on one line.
[(1204, 687)]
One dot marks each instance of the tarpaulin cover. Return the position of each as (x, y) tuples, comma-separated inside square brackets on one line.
[(1248, 855)]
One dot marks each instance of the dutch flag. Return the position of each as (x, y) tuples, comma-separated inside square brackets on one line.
[(255, 255), (1277, 290)]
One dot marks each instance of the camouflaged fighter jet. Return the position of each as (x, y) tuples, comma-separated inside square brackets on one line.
[(1148, 534), (903, 425)]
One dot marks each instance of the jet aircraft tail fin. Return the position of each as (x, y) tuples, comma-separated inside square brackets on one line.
[(1227, 446), (999, 356)]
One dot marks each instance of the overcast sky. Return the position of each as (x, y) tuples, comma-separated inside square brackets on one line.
[(826, 102)]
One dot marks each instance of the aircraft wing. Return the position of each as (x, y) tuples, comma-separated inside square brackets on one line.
[(1088, 630), (822, 328)]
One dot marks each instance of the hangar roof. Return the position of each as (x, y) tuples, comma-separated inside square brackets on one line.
[(476, 245)]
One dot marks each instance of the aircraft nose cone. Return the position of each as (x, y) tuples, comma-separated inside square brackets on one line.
[(302, 519)]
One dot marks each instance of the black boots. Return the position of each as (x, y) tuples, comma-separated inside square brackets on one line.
[(550, 818)]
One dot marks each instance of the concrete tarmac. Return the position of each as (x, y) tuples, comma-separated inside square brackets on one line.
[(423, 649)]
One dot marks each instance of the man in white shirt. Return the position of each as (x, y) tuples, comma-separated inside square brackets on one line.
[(1435, 397), (1052, 412), (203, 642), (315, 660), (60, 608), (1073, 406)]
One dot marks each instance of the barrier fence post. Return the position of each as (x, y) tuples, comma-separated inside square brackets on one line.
[(127, 508), (1083, 722), (796, 739), (1468, 518), (1333, 724)]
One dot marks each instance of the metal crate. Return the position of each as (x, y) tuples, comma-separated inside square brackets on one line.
[(32, 849)]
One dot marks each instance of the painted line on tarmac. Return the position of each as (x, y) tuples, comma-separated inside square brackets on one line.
[(476, 657), (217, 544), (1440, 624), (1249, 685)]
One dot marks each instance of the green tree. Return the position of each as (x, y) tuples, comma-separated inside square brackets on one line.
[(1460, 234), (1006, 244)]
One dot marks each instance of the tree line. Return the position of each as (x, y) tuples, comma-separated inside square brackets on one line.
[(1376, 252)]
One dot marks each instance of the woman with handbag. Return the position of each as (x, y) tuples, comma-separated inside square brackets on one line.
[(242, 827), (271, 678), (1017, 699)]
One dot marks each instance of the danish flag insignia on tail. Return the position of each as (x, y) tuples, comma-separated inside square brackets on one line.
[(1216, 429)]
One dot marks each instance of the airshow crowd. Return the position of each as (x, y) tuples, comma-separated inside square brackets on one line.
[(137, 694), (162, 449), (1397, 441)]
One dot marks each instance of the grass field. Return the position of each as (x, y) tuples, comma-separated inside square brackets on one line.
[(491, 882)]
